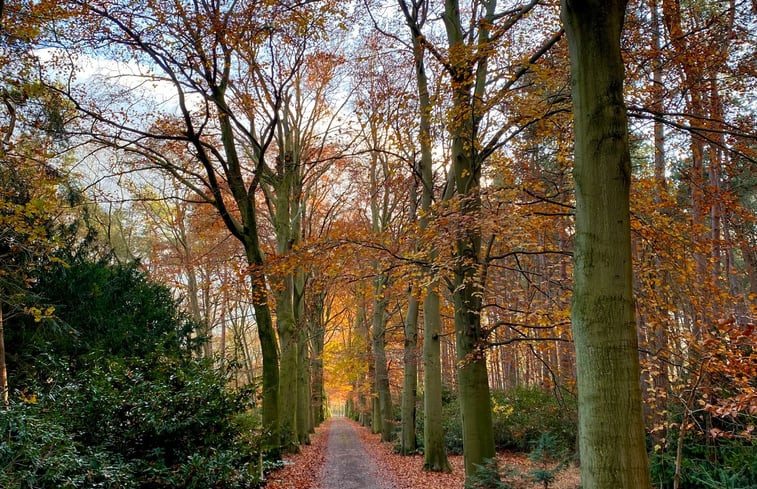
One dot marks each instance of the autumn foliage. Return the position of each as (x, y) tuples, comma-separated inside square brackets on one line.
[(347, 197)]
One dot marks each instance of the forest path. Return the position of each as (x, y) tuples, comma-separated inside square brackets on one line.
[(348, 465)]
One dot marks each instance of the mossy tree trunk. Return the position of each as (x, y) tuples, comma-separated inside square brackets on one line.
[(434, 450), (408, 442), (246, 231), (611, 425), (280, 198), (268, 347), (381, 213), (362, 330)]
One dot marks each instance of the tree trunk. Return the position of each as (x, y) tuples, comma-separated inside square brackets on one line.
[(472, 377), (3, 369), (383, 402), (434, 450), (611, 424), (304, 412), (408, 444), (364, 404), (317, 335), (473, 381), (201, 322), (270, 352), (288, 371), (304, 395)]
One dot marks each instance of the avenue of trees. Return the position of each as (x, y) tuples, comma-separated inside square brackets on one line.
[(464, 224)]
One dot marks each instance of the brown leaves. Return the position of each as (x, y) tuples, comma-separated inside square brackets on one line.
[(406, 472), (303, 471)]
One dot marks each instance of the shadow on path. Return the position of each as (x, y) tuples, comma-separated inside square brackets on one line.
[(348, 465)]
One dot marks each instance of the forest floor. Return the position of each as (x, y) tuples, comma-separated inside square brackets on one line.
[(344, 455)]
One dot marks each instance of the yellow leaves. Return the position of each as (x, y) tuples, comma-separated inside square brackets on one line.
[(502, 410), (29, 398), (39, 314)]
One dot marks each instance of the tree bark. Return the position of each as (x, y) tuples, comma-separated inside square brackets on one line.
[(611, 424), (383, 402), (434, 450), (317, 335), (270, 354), (408, 443), (288, 342), (364, 403)]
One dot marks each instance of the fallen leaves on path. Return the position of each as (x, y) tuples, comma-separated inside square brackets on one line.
[(302, 469), (408, 473), (400, 472)]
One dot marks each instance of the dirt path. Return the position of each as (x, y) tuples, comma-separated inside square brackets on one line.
[(348, 465)]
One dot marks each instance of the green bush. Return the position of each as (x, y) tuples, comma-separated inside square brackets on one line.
[(38, 452), (161, 424), (550, 459), (724, 464), (140, 406), (112, 396), (520, 416), (109, 310), (452, 423), (523, 414), (488, 476)]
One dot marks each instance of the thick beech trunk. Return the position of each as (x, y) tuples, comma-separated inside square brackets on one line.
[(473, 380), (408, 444), (472, 376), (434, 450), (304, 411), (288, 371), (611, 424), (468, 86), (364, 403), (270, 353)]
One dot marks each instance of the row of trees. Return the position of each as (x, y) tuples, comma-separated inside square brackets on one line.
[(380, 171)]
